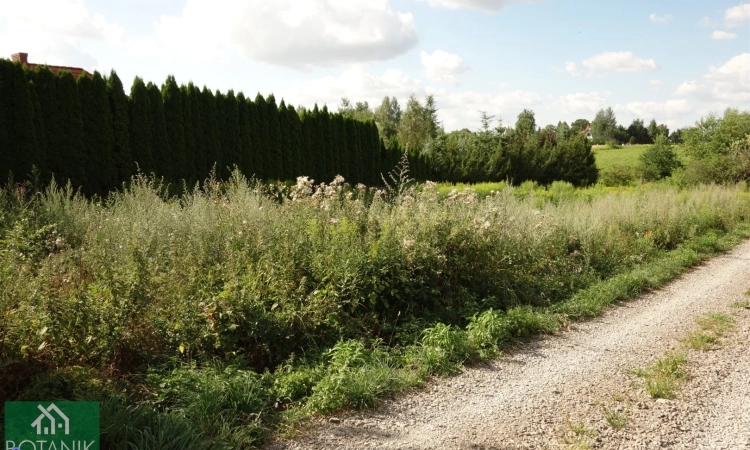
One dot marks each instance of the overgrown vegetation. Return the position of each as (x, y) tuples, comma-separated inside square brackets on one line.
[(237, 308)]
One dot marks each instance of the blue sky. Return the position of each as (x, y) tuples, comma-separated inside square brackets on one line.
[(670, 60)]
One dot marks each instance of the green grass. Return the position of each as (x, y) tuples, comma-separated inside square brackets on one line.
[(627, 156), (226, 315), (615, 419), (664, 377)]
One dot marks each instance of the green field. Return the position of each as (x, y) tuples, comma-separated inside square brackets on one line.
[(627, 156)]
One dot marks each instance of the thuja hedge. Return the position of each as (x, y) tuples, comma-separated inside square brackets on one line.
[(89, 131)]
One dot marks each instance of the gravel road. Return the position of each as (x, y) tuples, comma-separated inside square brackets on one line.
[(540, 394)]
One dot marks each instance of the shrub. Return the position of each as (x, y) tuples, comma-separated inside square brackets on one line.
[(659, 160)]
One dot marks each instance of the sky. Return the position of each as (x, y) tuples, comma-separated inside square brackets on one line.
[(672, 60)]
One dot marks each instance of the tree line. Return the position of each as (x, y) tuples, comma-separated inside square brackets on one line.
[(493, 152), (88, 131)]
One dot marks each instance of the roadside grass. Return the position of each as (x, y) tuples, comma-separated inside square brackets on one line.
[(664, 377), (713, 326), (224, 316), (616, 420), (579, 435), (745, 305)]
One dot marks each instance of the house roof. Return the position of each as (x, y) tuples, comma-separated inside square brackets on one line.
[(23, 58)]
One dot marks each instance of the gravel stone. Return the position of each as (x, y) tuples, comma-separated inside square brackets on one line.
[(533, 397)]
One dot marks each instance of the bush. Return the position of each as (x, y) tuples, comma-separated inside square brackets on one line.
[(659, 160), (618, 176)]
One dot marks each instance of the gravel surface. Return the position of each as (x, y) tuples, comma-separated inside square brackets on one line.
[(552, 393)]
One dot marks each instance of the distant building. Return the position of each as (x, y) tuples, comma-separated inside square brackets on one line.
[(23, 58), (587, 132)]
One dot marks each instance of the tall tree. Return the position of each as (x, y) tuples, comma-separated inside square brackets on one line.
[(70, 158), (265, 160), (98, 136), (526, 123), (297, 161), (274, 150), (563, 131), (210, 141), (245, 162), (160, 140), (326, 141), (388, 117), (604, 126), (638, 134), (139, 118), (189, 173), (175, 125), (232, 143), (21, 150), (118, 110), (199, 135)]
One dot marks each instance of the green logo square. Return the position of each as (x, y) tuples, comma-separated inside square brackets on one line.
[(51, 426)]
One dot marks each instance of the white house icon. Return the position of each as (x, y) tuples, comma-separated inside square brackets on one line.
[(53, 423)]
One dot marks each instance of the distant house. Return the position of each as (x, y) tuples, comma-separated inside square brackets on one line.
[(587, 132), (23, 58)]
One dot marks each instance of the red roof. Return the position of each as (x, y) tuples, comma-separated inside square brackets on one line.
[(23, 59)]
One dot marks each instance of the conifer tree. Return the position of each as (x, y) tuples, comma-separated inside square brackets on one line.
[(118, 109), (21, 147), (352, 139), (70, 159), (160, 140), (189, 173), (318, 150), (222, 144), (265, 163), (297, 162), (197, 126), (326, 141), (308, 155), (39, 130), (98, 138), (139, 121), (210, 131), (231, 144), (274, 150), (5, 161), (333, 127), (255, 157), (343, 148), (174, 121), (245, 162)]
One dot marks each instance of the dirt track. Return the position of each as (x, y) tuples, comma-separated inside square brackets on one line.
[(536, 396)]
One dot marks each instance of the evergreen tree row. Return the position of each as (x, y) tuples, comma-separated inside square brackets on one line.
[(88, 131)]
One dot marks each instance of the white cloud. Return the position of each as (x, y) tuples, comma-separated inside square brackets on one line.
[(354, 83), (722, 35), (290, 32), (68, 18), (726, 85), (443, 67), (461, 110), (661, 20), (478, 5), (611, 62), (659, 110), (737, 16), (55, 31), (580, 103)]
